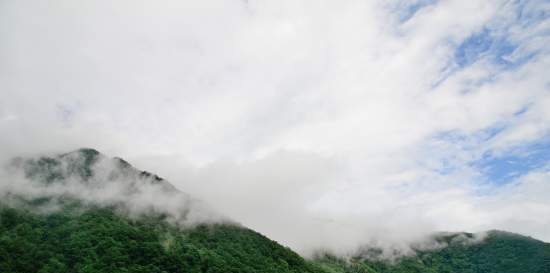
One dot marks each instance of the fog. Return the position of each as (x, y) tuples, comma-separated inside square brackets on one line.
[(301, 201), (111, 183), (279, 207), (321, 124)]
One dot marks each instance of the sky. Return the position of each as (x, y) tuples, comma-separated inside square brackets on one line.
[(322, 124)]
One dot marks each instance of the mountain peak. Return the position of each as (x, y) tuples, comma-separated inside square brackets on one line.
[(89, 152), (87, 176), (86, 150)]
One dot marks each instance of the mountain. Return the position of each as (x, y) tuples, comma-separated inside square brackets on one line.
[(84, 212), (98, 240), (151, 228), (89, 177), (498, 252)]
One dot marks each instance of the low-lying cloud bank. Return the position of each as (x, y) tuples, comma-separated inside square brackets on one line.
[(301, 200), (281, 210)]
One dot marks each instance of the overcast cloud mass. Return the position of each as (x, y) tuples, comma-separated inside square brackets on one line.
[(318, 123)]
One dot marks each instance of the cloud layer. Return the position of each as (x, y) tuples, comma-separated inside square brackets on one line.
[(320, 124)]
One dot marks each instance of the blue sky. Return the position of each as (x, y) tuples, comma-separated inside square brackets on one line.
[(507, 167), (484, 45), (493, 44)]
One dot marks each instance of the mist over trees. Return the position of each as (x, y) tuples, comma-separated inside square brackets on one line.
[(56, 215)]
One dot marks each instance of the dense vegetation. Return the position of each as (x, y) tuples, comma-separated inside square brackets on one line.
[(98, 240), (84, 237), (500, 252)]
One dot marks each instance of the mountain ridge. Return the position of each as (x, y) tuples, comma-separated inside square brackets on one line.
[(163, 224)]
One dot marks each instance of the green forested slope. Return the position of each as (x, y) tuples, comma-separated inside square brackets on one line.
[(500, 252), (58, 232), (98, 240)]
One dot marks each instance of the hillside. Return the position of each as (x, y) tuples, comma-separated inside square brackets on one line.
[(98, 240), (83, 231), (499, 252), (84, 212)]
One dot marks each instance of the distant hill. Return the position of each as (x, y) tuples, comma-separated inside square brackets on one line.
[(498, 252), (82, 212)]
